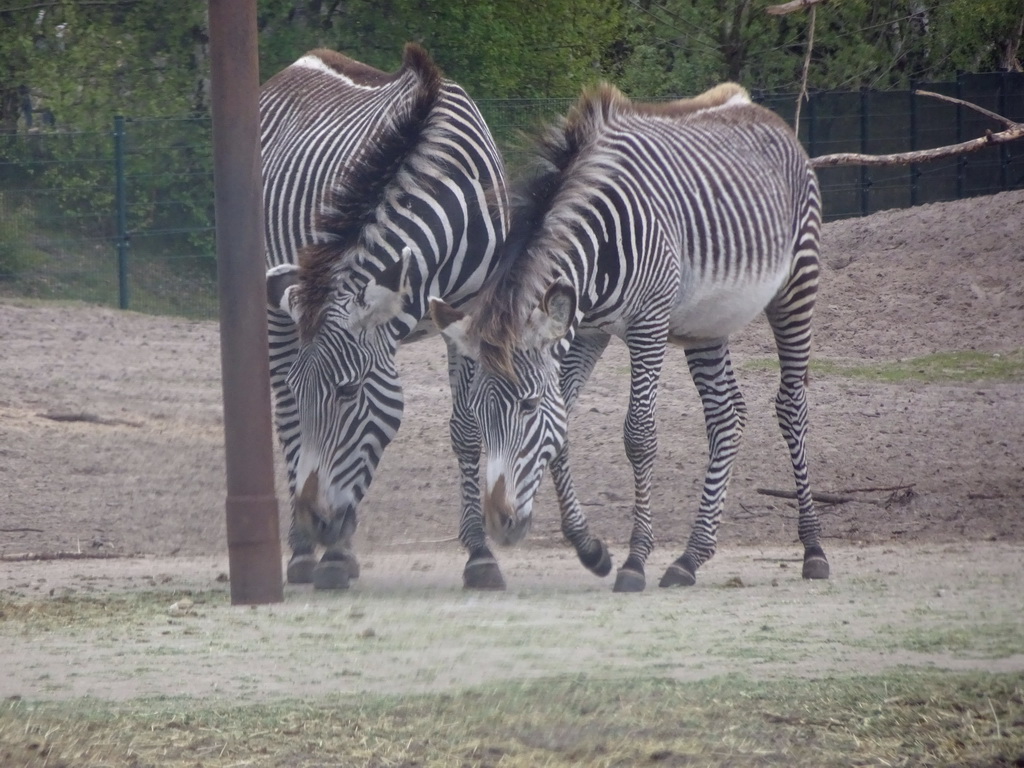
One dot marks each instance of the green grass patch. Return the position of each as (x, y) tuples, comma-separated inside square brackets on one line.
[(922, 719), (995, 641), (938, 368), (57, 613)]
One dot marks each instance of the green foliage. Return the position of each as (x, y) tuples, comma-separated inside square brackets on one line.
[(679, 47), (70, 66), (494, 48), (17, 254), (85, 62), (940, 367), (89, 61), (979, 35)]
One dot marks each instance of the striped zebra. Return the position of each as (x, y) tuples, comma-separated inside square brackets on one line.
[(380, 189), (662, 224)]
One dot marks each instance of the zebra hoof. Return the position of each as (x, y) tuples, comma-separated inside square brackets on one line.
[(677, 576), (482, 574), (331, 574), (816, 567), (628, 580), (815, 563), (300, 569), (353, 567), (598, 563)]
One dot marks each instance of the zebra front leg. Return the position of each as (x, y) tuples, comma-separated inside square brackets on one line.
[(578, 363), (724, 418), (591, 551), (283, 346), (339, 564), (640, 435), (481, 571)]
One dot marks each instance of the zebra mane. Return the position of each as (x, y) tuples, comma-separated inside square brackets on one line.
[(567, 166), (354, 203), (356, 71), (559, 171)]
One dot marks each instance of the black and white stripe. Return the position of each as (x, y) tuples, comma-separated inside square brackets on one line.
[(670, 224), (380, 189)]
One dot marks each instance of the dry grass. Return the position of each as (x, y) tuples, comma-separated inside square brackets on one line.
[(919, 719)]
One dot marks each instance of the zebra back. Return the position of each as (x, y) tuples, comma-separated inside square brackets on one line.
[(718, 185)]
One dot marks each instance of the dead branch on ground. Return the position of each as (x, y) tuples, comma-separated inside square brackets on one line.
[(844, 497), (822, 498), (25, 557)]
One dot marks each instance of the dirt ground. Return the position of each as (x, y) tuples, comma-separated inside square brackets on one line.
[(111, 431), (112, 482)]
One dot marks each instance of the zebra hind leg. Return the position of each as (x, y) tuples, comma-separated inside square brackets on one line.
[(302, 543), (791, 409), (646, 343), (790, 319), (725, 415)]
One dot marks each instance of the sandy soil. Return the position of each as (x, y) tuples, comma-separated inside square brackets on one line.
[(139, 468), (111, 432)]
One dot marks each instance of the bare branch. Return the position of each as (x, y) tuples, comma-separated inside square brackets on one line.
[(790, 7), (875, 489), (921, 156), (994, 115), (802, 96), (1013, 132)]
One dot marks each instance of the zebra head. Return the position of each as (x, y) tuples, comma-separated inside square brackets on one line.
[(517, 400), (347, 395)]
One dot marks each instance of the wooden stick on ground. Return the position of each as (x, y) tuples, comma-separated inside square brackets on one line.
[(824, 498)]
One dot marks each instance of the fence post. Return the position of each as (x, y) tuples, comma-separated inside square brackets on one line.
[(120, 201), (865, 180), (1004, 153), (253, 534), (914, 171), (961, 161)]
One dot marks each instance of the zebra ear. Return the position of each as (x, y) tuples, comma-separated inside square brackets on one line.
[(556, 313), (452, 323), (383, 298), (281, 283)]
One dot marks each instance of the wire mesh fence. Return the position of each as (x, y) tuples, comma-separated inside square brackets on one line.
[(124, 217)]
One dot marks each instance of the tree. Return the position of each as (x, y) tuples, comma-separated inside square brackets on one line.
[(84, 62), (16, 51), (980, 35), (494, 48), (678, 47)]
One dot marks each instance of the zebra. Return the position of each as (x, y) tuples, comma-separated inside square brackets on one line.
[(673, 223), (380, 189)]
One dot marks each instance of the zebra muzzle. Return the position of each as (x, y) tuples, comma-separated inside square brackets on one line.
[(504, 525), (326, 525)]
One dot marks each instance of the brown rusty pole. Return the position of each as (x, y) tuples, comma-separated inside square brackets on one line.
[(254, 541)]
